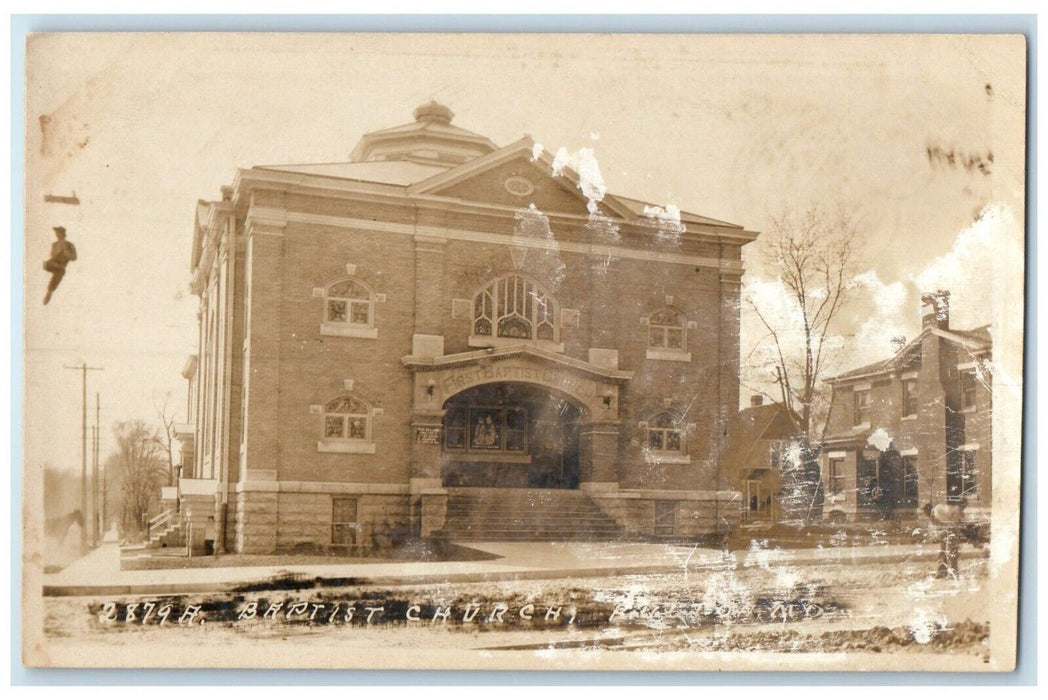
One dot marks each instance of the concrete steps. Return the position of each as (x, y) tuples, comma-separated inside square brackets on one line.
[(171, 536), (525, 515)]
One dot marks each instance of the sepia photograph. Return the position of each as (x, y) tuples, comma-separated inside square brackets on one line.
[(635, 352)]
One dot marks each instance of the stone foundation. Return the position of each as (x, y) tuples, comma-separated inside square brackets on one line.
[(298, 518), (694, 515)]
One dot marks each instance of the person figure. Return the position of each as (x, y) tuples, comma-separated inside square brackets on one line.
[(62, 253), (485, 434), (947, 521)]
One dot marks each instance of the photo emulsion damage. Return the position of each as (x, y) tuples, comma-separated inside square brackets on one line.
[(664, 352)]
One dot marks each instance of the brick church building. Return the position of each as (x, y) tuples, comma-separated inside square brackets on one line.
[(442, 337)]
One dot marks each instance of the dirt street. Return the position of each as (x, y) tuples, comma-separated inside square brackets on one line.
[(886, 608)]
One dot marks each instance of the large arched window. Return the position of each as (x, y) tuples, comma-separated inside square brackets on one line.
[(349, 309), (517, 308)]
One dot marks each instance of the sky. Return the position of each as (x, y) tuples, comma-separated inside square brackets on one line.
[(738, 128)]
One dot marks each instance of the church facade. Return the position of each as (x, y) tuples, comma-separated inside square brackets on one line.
[(440, 320)]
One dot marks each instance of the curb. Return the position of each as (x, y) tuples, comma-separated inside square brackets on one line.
[(289, 579)]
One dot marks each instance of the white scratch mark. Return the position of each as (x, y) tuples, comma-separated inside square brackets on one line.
[(925, 625), (880, 439), (583, 162), (666, 221)]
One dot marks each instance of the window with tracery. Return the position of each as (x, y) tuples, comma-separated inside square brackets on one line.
[(348, 302), (517, 308), (666, 330), (347, 418)]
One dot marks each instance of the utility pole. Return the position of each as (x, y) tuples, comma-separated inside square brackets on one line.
[(97, 521), (94, 483), (105, 491), (83, 449)]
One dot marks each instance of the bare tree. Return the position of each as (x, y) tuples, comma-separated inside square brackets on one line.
[(142, 467), (165, 434), (812, 255)]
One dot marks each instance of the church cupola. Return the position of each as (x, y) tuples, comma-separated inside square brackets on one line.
[(430, 140), (433, 111)]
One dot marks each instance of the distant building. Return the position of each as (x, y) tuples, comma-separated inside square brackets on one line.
[(915, 428), (762, 454), (442, 337)]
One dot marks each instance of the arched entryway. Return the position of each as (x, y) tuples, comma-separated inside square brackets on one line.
[(579, 399), (510, 435)]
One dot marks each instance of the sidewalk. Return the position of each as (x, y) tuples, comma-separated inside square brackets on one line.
[(99, 572)]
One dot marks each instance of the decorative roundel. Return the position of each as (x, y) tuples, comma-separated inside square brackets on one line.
[(519, 186)]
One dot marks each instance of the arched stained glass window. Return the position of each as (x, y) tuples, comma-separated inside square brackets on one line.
[(665, 434), (347, 418), (666, 330), (515, 307), (348, 302)]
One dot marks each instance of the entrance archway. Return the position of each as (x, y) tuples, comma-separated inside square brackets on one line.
[(543, 379), (510, 435)]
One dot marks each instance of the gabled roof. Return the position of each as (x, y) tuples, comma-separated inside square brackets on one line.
[(873, 368), (430, 155), (524, 146), (976, 340), (858, 433), (388, 172), (753, 427), (637, 206)]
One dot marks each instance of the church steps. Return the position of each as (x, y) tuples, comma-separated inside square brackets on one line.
[(525, 514)]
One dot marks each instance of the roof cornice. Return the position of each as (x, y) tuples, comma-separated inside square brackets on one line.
[(343, 188)]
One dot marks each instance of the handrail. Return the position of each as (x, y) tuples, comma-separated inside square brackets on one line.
[(161, 518)]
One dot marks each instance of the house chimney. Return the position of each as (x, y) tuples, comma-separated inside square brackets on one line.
[(898, 343), (756, 400), (935, 309)]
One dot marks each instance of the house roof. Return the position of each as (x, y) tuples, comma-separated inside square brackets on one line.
[(976, 340), (855, 434), (754, 426)]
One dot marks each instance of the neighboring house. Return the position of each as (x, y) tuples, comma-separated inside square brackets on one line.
[(762, 451), (440, 331), (915, 428)]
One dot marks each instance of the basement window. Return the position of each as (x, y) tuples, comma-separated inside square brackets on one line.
[(343, 522), (665, 518)]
